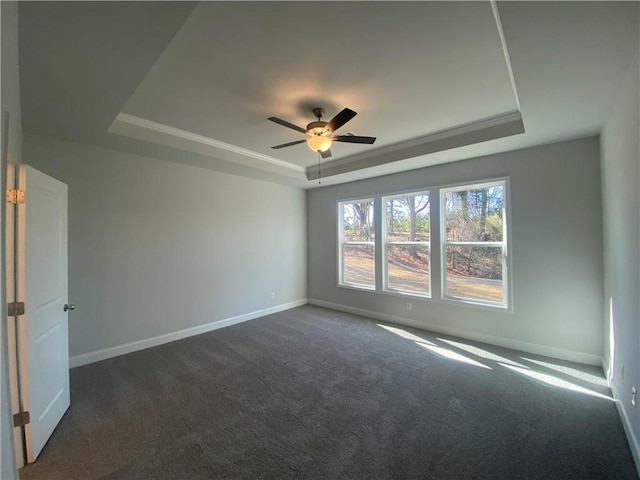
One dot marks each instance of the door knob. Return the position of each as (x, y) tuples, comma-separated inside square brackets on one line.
[(69, 306)]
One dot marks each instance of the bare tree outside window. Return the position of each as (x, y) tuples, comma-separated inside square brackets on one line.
[(407, 247), (472, 233), (474, 242), (357, 244)]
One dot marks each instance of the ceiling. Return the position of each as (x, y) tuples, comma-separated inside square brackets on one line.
[(435, 82)]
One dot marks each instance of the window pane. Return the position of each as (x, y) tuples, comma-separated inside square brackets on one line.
[(408, 268), (408, 218), (358, 265), (357, 220), (475, 273), (474, 214)]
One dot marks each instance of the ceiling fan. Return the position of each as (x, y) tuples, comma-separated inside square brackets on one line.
[(321, 133)]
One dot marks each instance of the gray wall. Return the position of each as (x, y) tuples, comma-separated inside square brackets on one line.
[(156, 247), (621, 213), (556, 252), (10, 103)]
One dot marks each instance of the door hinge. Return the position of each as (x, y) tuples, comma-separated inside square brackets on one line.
[(15, 196), (21, 419), (15, 309)]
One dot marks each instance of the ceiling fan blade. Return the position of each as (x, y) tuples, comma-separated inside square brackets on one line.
[(288, 144), (284, 123), (339, 120), (353, 139), (326, 153)]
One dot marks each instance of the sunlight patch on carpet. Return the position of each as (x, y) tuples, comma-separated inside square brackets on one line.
[(480, 352), (450, 355), (404, 334), (552, 381), (587, 377)]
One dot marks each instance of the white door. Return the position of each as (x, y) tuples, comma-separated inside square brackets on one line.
[(43, 350)]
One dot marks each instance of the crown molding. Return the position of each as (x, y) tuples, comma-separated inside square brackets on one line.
[(475, 132), (124, 122)]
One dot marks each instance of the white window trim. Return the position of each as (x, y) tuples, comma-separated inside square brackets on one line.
[(385, 244), (342, 243), (438, 229), (506, 304)]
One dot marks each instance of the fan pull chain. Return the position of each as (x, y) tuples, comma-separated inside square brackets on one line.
[(319, 158)]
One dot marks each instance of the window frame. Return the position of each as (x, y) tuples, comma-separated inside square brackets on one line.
[(506, 304), (342, 243), (384, 244)]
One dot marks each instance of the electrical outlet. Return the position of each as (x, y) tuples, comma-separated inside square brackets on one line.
[(633, 396), (273, 295), (409, 306)]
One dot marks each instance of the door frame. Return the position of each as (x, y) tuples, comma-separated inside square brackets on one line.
[(12, 322), (8, 172)]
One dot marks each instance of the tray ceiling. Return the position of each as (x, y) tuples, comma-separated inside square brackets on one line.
[(433, 81)]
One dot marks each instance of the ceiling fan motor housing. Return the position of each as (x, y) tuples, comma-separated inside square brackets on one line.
[(318, 112), (316, 128)]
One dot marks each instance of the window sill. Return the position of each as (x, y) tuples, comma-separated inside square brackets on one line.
[(417, 296), (476, 304), (358, 288)]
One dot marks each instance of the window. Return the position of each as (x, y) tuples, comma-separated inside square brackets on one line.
[(471, 258), (474, 243), (406, 236), (357, 244)]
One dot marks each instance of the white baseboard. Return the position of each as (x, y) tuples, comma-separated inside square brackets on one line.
[(634, 445), (111, 352), (554, 352)]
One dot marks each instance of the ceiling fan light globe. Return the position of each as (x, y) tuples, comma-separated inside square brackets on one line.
[(319, 143)]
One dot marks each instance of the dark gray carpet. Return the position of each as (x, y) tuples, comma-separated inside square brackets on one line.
[(314, 393)]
